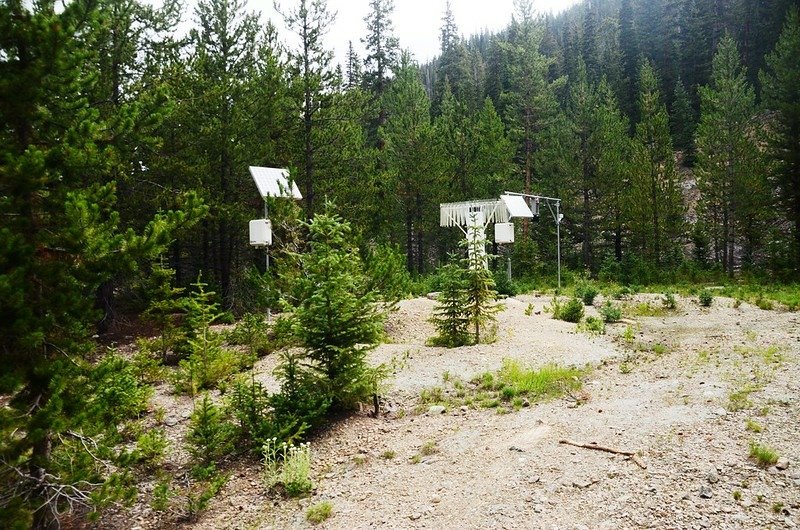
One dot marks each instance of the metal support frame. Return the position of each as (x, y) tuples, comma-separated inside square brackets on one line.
[(557, 217)]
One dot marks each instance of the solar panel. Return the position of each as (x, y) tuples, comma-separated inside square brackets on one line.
[(274, 182), (516, 206)]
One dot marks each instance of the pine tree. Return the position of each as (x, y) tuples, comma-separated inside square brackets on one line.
[(210, 435), (529, 101), (353, 71), (337, 319), (781, 92), (61, 238), (382, 47), (682, 121), (656, 200), (479, 293), (413, 161), (223, 60), (629, 45), (313, 80), (727, 156), (493, 152), (449, 316)]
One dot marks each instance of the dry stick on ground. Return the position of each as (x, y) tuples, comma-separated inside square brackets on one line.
[(638, 461)]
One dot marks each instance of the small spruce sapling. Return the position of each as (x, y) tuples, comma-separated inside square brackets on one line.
[(449, 316), (210, 436), (208, 362), (480, 296), (337, 320)]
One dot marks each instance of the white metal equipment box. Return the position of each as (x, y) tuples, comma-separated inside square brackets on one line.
[(504, 232), (260, 232)]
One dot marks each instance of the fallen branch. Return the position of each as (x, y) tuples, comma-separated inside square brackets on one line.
[(592, 445)]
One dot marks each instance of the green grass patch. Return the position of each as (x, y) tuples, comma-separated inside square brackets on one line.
[(764, 455), (508, 388), (644, 309), (753, 426), (319, 512)]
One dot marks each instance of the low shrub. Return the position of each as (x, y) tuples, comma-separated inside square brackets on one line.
[(586, 292), (592, 325), (572, 311), (610, 313), (705, 297)]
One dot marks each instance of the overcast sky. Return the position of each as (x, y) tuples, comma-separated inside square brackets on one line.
[(416, 22)]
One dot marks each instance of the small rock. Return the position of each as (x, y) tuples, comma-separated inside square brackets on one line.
[(720, 412), (525, 402), (712, 477), (705, 492), (582, 483), (464, 409), (436, 499), (416, 515), (782, 463), (436, 409), (515, 448)]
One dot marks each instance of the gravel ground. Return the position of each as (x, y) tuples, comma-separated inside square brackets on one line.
[(669, 403)]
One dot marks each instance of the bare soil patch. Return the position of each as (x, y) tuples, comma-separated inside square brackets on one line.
[(670, 404)]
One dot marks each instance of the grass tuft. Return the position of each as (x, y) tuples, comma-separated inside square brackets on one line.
[(764, 455), (319, 512)]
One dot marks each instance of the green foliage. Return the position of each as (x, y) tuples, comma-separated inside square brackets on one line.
[(764, 455), (304, 398), (201, 494), (479, 294), (592, 325), (449, 317), (572, 311), (503, 285), (387, 275), (208, 362), (166, 306), (586, 292), (251, 331), (705, 297), (337, 319), (288, 467), (151, 447), (780, 81), (319, 512), (548, 381), (735, 198), (162, 493), (669, 301), (117, 394), (610, 312), (210, 434)]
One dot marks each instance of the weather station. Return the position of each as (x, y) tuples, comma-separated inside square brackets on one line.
[(271, 182), (473, 217)]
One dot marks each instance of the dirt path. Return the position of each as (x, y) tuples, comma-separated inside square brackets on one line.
[(491, 470)]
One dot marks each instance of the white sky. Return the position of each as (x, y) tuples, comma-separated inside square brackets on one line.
[(416, 22)]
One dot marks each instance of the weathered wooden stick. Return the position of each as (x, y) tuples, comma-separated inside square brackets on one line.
[(592, 445)]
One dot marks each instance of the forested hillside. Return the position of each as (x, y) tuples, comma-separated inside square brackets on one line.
[(601, 105)]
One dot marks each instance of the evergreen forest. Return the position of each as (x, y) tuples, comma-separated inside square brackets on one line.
[(669, 129)]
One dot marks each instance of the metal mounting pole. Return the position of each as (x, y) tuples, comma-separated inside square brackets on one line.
[(266, 262), (558, 242)]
